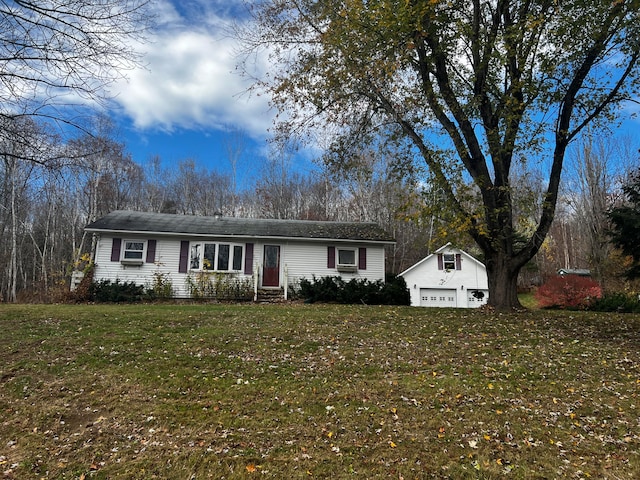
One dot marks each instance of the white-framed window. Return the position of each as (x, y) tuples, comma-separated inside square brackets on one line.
[(133, 251), (346, 257), (449, 261), (216, 256)]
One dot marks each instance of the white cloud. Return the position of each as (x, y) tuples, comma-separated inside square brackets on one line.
[(190, 79)]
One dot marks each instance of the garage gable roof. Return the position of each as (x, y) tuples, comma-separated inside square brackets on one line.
[(121, 221), (442, 249)]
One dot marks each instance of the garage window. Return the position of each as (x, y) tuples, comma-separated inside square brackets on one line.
[(449, 261)]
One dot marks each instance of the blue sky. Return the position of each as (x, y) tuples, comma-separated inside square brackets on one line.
[(188, 95)]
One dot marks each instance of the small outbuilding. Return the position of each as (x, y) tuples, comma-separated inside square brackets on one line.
[(581, 272), (449, 277)]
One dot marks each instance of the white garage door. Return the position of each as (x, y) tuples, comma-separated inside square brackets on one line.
[(438, 297)]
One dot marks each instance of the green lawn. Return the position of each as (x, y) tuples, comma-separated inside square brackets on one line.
[(311, 391)]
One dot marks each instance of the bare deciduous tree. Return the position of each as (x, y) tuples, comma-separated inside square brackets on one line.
[(59, 54)]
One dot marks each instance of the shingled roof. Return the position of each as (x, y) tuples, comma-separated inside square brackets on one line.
[(121, 221)]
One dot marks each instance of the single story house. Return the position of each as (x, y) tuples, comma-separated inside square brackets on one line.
[(183, 250), (449, 277)]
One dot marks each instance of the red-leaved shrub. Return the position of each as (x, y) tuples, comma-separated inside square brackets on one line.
[(568, 291)]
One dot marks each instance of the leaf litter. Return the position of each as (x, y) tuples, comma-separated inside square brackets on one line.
[(202, 391)]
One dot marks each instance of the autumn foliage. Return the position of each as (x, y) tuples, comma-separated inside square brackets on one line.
[(568, 291)]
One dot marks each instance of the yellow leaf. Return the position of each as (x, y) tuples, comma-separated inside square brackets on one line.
[(499, 461), (499, 412), (392, 444), (251, 468), (330, 434), (487, 437), (490, 386)]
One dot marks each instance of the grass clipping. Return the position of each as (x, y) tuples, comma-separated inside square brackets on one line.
[(201, 391)]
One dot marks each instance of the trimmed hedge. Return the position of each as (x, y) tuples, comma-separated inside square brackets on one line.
[(357, 290)]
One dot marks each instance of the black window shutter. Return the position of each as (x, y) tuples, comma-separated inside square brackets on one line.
[(440, 262), (184, 256), (248, 259), (362, 258), (151, 251), (115, 249), (458, 261), (331, 257)]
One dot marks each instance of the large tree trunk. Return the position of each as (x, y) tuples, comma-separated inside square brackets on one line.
[(503, 281)]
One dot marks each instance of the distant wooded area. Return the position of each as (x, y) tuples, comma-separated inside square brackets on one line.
[(47, 201)]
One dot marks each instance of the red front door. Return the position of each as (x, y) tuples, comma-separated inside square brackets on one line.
[(271, 269)]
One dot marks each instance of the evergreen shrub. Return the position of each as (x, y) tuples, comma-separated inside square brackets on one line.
[(616, 302), (357, 290), (115, 292)]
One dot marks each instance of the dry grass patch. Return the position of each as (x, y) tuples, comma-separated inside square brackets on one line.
[(209, 391)]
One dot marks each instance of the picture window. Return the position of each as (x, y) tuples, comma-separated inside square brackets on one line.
[(218, 257)]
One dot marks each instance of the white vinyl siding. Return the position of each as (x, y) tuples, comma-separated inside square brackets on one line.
[(166, 261), (302, 260), (445, 285)]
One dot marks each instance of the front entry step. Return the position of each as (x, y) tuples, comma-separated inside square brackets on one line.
[(271, 295)]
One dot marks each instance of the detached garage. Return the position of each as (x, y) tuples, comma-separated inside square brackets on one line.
[(450, 277)]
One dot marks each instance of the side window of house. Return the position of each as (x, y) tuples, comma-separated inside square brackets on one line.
[(130, 252), (220, 257), (346, 257), (133, 250)]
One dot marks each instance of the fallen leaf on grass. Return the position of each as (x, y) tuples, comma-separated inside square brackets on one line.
[(251, 468)]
